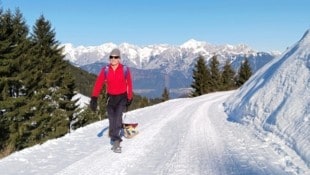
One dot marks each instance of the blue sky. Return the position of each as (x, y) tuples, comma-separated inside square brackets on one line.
[(264, 25)]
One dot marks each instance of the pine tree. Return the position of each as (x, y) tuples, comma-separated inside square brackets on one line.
[(165, 95), (228, 74), (244, 73), (201, 77), (215, 74), (4, 76), (50, 88), (13, 46)]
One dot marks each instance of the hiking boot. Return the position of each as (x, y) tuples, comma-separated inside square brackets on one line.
[(116, 147), (118, 150)]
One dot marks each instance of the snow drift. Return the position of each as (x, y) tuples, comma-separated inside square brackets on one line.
[(276, 99)]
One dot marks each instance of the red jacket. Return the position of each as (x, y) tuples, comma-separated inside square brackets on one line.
[(115, 81)]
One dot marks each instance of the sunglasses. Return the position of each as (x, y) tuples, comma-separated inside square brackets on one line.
[(114, 57)]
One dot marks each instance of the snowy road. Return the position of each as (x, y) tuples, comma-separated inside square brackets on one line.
[(181, 136)]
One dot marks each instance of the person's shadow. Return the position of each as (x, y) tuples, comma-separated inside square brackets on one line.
[(100, 134)]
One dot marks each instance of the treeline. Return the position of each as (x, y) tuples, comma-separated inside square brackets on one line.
[(36, 89), (211, 77)]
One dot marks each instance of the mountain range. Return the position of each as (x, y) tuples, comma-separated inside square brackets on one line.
[(157, 66)]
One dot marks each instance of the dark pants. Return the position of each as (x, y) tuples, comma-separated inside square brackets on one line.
[(116, 106)]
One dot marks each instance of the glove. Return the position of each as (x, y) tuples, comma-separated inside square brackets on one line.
[(93, 103), (129, 101)]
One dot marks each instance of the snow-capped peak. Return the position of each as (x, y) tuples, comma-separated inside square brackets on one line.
[(152, 56), (193, 44)]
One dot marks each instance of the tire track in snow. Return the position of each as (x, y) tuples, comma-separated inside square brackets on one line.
[(243, 153), (188, 153), (171, 161), (201, 151), (151, 128)]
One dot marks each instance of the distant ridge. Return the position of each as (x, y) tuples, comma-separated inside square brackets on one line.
[(161, 62)]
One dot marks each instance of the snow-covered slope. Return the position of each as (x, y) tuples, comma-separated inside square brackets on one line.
[(181, 136), (277, 99)]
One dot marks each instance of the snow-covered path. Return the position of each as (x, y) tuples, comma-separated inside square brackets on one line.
[(181, 136)]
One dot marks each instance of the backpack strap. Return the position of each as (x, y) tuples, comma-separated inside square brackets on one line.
[(106, 71), (125, 69)]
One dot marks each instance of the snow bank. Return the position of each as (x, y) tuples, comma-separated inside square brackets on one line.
[(276, 100)]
